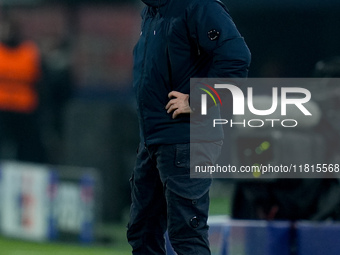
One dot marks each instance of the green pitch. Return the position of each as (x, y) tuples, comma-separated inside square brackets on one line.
[(15, 247), (116, 232), (220, 205)]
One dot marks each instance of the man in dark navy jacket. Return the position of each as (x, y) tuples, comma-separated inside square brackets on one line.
[(180, 39)]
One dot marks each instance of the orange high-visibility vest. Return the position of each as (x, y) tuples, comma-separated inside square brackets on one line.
[(19, 72)]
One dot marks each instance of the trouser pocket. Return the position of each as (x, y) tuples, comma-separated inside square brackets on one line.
[(188, 205)]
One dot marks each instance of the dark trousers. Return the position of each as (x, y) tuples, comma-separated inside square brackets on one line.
[(164, 197)]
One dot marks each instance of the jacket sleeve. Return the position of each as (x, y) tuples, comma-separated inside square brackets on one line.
[(216, 34)]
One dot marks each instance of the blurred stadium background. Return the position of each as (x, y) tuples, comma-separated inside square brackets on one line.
[(88, 122)]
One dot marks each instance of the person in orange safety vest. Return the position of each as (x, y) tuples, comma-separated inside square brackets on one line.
[(20, 71)]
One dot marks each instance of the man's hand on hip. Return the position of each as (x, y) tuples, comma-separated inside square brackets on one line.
[(178, 104)]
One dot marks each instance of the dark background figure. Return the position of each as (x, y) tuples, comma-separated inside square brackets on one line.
[(302, 199), (57, 91), (327, 96), (20, 73)]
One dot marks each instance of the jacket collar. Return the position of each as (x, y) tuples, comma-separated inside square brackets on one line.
[(155, 3)]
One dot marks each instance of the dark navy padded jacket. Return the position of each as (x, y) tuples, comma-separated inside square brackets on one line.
[(181, 39)]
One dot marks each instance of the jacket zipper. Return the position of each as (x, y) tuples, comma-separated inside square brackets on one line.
[(141, 106)]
